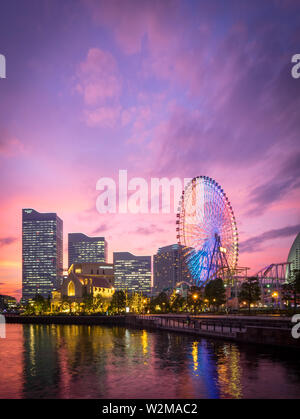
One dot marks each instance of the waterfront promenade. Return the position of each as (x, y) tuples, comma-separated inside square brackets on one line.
[(265, 330)]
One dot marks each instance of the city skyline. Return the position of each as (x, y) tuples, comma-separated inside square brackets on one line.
[(175, 89)]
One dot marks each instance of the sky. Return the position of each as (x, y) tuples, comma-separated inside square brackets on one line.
[(160, 88)]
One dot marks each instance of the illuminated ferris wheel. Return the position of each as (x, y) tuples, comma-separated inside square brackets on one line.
[(206, 227)]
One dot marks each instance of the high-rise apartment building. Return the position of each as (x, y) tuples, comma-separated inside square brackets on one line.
[(132, 272), (85, 249), (294, 255), (42, 253), (169, 268)]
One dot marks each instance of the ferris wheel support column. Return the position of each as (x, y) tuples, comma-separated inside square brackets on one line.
[(212, 257)]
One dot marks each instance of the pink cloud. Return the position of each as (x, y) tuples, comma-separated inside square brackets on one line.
[(103, 117), (11, 146), (98, 78), (131, 23)]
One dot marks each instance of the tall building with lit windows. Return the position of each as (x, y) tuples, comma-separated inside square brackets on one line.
[(294, 255), (85, 249), (42, 253), (169, 268), (132, 272)]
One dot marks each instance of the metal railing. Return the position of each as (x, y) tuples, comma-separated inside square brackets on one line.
[(179, 323)]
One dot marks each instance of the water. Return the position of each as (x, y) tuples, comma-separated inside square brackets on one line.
[(54, 361)]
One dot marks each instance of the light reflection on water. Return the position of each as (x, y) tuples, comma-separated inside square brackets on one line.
[(55, 361)]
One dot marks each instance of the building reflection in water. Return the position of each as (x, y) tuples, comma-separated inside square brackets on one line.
[(229, 372), (195, 355), (55, 361), (144, 338)]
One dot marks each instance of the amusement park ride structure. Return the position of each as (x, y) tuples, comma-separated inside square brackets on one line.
[(206, 228), (271, 278)]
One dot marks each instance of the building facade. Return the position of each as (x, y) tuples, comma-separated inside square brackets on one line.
[(169, 268), (85, 249), (42, 253), (85, 280), (294, 254), (7, 302), (132, 273)]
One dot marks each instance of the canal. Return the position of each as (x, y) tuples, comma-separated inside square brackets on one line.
[(71, 361)]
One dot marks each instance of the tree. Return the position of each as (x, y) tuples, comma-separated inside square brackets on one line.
[(118, 302), (66, 302), (40, 305), (177, 303), (215, 292), (293, 286), (29, 309), (194, 299), (88, 303), (161, 301), (101, 304), (250, 291), (137, 302)]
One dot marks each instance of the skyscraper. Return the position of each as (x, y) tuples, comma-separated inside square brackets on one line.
[(132, 272), (169, 268), (294, 254), (85, 249), (42, 253)]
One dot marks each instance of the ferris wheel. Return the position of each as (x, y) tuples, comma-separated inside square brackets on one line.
[(206, 228)]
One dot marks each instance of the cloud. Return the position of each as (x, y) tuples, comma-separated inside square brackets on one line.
[(242, 100), (18, 291), (152, 229), (9, 145), (279, 186), (106, 117), (254, 244), (98, 78), (132, 22), (5, 241), (101, 229)]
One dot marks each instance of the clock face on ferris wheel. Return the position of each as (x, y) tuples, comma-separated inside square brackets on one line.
[(206, 227)]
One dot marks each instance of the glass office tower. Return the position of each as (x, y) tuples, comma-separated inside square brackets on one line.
[(42, 251), (85, 249), (132, 272), (169, 268)]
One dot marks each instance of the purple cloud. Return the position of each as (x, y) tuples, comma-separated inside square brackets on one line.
[(254, 244), (5, 241), (279, 186)]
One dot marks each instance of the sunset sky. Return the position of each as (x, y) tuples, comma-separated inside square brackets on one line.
[(162, 89)]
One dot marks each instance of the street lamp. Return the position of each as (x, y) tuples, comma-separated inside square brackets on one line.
[(195, 296)]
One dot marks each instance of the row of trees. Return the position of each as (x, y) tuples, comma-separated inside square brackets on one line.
[(89, 304), (212, 297)]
